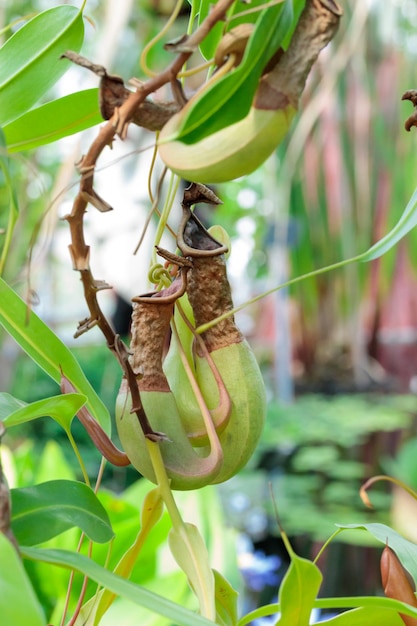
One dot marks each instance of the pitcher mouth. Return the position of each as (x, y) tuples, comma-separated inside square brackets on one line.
[(193, 238)]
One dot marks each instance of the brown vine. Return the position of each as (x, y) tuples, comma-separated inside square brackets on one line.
[(79, 250)]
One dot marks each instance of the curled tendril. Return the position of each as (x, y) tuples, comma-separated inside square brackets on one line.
[(159, 275)]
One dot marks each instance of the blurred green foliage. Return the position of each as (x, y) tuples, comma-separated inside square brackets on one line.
[(316, 453)]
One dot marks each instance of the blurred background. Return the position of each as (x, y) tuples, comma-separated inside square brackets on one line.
[(338, 351)]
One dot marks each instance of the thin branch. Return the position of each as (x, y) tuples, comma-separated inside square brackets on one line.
[(80, 251)]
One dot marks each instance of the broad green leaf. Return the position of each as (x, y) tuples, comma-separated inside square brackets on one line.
[(18, 602), (226, 601), (30, 61), (52, 589), (407, 221), (298, 591), (189, 551), (54, 120), (366, 616), (61, 408), (136, 593), (404, 549), (379, 611), (13, 203), (375, 608), (232, 94), (46, 349), (44, 511)]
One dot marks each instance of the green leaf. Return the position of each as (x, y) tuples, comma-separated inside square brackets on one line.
[(54, 120), (152, 509), (44, 511), (226, 601), (298, 592), (297, 7), (124, 588), (366, 607), (385, 610), (366, 616), (189, 551), (232, 95), (18, 602), (46, 349), (211, 41), (61, 408), (30, 61), (125, 613), (404, 549), (407, 221)]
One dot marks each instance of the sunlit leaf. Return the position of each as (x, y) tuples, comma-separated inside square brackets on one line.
[(366, 616), (136, 593), (298, 591), (54, 120), (44, 511), (46, 349), (364, 611), (60, 408), (226, 601), (189, 551), (152, 509), (378, 610), (30, 60), (18, 602), (367, 611)]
